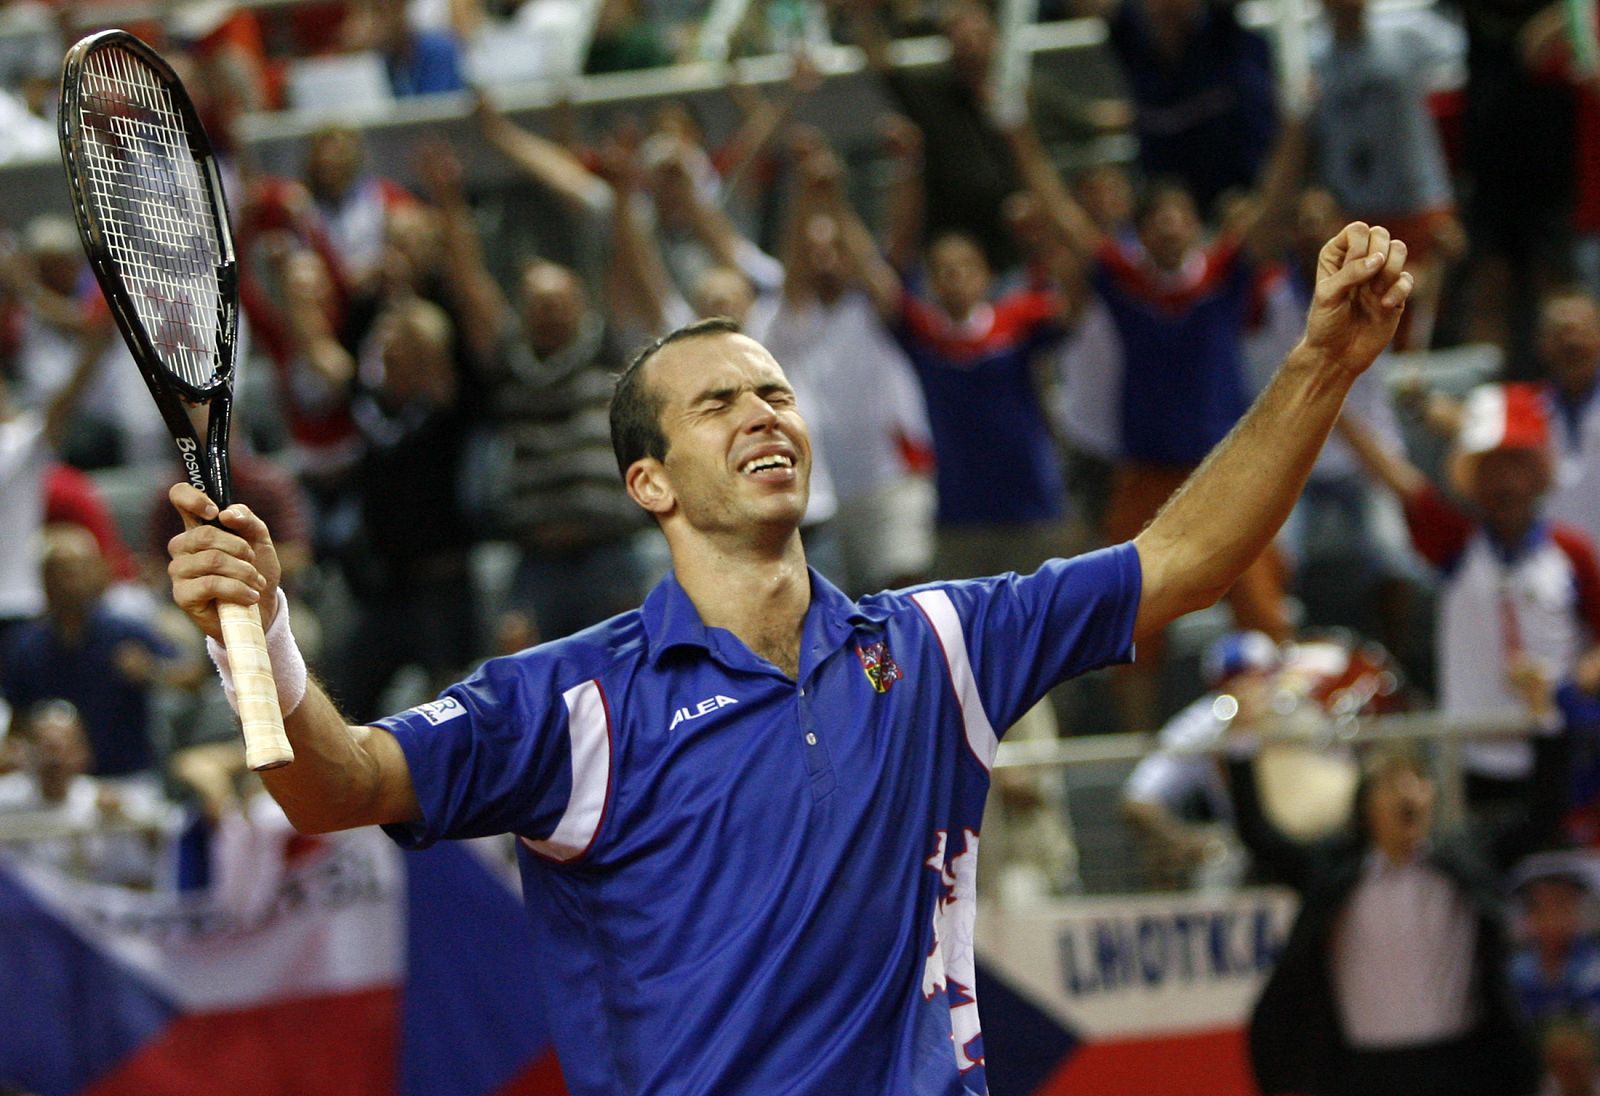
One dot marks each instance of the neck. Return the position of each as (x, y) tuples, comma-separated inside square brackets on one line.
[(1573, 390), (760, 593), (1509, 535)]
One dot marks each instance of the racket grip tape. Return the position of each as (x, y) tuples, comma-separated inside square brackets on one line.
[(265, 744)]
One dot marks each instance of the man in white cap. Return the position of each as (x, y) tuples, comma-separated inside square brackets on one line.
[(1519, 596)]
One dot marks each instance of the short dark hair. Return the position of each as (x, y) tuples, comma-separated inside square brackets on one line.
[(636, 408)]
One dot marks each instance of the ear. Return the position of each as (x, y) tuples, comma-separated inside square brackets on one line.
[(649, 485)]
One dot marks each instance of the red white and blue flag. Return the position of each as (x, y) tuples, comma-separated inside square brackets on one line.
[(348, 968)]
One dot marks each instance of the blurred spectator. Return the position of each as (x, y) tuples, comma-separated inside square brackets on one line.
[(297, 302), (63, 316), (1578, 698), (409, 567), (30, 65), (1202, 89), (966, 174), (1569, 354), (1179, 305), (28, 440), (419, 60), (1394, 978), (106, 664), (1555, 44), (625, 38), (353, 203), (1557, 973), (1517, 592), (1176, 797), (1380, 151), (1086, 402), (30, 43), (1000, 487), (1001, 495), (868, 414), (546, 476), (1517, 153), (96, 829), (1569, 1054), (517, 42)]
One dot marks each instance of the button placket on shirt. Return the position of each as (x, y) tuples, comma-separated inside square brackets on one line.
[(818, 763)]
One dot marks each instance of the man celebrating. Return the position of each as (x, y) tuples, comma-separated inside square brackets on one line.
[(749, 811)]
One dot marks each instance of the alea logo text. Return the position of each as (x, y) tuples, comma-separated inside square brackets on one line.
[(705, 707)]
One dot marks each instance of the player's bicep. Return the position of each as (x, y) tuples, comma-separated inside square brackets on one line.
[(491, 755), (394, 798)]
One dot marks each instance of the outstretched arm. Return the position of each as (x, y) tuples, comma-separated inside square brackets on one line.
[(1266, 230), (475, 293), (1071, 223), (822, 182), (542, 160), (92, 345), (1229, 510), (342, 776)]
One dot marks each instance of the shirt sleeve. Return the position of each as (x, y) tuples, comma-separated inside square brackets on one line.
[(1022, 635), (492, 755), (1585, 574)]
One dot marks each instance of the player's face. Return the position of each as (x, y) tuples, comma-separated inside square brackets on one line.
[(738, 453)]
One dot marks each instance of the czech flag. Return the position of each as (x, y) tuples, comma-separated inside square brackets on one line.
[(325, 967)]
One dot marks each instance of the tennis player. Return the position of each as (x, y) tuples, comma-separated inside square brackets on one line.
[(748, 812)]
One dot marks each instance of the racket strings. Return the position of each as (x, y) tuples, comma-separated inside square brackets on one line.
[(152, 203)]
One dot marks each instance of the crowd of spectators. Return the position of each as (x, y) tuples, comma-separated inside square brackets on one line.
[(1000, 362)]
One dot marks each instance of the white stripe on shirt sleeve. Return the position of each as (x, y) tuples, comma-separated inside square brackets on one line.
[(941, 613), (589, 727)]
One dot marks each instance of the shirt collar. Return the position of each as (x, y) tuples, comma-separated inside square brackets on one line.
[(671, 619)]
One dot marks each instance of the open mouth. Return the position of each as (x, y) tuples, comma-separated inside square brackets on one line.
[(771, 462)]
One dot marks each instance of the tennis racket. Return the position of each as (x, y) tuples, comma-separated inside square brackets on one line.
[(154, 224)]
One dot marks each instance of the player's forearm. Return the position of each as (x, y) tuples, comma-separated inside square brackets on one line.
[(1228, 511), (342, 776)]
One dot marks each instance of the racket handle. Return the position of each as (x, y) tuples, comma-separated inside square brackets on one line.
[(265, 744)]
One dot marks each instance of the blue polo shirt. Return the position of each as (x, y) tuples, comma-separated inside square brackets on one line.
[(743, 883)]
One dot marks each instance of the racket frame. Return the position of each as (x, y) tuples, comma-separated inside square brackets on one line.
[(205, 460)]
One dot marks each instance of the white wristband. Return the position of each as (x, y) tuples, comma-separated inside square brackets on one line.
[(288, 666)]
